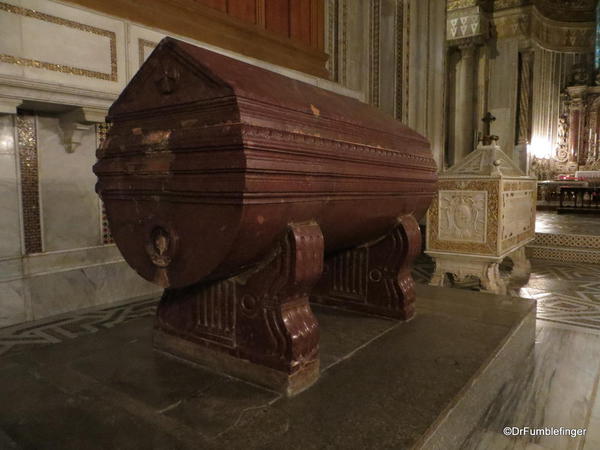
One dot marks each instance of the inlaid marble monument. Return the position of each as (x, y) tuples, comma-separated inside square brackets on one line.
[(243, 193), (483, 213)]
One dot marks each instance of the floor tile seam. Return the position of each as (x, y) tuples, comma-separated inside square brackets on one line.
[(362, 346), (133, 406)]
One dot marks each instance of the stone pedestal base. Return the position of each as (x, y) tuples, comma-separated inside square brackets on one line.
[(486, 269), (259, 326), (221, 362), (374, 278)]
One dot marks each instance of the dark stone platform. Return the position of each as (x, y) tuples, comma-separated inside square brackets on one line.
[(383, 384)]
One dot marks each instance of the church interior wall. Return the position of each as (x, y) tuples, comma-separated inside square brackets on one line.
[(58, 59)]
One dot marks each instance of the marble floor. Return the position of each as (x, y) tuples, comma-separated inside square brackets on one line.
[(551, 222), (108, 389), (557, 386)]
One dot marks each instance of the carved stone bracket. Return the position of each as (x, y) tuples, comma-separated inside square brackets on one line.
[(9, 105), (257, 325), (76, 123), (374, 278)]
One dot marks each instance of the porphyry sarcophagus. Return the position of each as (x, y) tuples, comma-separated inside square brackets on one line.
[(244, 193)]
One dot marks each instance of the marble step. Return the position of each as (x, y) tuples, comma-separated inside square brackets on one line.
[(565, 247), (564, 254), (583, 241)]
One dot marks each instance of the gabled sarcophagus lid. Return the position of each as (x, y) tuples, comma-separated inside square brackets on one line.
[(486, 161), (209, 158)]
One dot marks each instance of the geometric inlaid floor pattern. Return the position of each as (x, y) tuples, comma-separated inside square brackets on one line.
[(72, 325), (567, 294)]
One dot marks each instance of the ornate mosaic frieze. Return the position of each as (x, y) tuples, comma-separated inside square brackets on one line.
[(464, 26), (458, 4), (374, 33), (332, 41), (401, 59), (552, 35), (28, 62), (505, 4), (513, 25), (30, 189)]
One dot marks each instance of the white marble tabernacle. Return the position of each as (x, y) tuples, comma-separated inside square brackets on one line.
[(483, 213)]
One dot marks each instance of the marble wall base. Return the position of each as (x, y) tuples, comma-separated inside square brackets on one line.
[(46, 294)]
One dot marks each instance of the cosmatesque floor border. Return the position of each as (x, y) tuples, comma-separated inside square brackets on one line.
[(72, 325)]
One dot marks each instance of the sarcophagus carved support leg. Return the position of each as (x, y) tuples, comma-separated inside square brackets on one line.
[(257, 325), (376, 277)]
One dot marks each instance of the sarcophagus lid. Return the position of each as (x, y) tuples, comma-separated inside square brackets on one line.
[(209, 159)]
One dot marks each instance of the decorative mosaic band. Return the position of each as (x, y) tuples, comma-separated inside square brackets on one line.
[(101, 132), (584, 241), (30, 189), (143, 44), (564, 254), (400, 62), (375, 43)]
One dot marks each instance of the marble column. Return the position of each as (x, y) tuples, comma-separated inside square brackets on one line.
[(577, 96), (524, 109), (464, 106), (575, 124), (483, 78), (524, 119)]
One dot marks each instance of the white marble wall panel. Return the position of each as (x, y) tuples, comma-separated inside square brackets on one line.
[(10, 223), (59, 292), (70, 259), (64, 45), (14, 301), (11, 268), (70, 206), (10, 42)]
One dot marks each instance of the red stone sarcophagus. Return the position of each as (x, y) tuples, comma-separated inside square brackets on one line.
[(245, 193)]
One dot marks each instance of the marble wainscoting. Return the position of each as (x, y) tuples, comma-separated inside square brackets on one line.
[(10, 214), (37, 286), (69, 207)]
